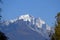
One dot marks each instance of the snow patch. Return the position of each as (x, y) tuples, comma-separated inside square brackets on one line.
[(25, 17)]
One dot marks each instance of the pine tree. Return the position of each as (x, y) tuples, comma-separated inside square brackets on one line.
[(56, 35)]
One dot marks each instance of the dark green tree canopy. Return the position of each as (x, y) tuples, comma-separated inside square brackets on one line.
[(56, 35), (58, 18)]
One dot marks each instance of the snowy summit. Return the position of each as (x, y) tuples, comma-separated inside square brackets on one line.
[(27, 25)]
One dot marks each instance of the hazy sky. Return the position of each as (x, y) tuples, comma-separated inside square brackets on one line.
[(45, 9)]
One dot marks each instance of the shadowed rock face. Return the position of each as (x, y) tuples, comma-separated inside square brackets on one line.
[(2, 36)]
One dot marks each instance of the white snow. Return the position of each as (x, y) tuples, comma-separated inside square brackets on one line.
[(37, 22), (31, 19), (48, 28), (6, 22), (25, 17), (14, 20)]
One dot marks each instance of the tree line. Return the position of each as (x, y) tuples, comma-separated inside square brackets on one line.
[(56, 35)]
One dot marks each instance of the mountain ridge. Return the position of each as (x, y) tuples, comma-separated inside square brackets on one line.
[(30, 23)]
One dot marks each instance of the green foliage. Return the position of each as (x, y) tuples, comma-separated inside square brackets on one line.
[(58, 18), (56, 35)]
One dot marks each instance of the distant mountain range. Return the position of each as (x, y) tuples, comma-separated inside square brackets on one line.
[(26, 27)]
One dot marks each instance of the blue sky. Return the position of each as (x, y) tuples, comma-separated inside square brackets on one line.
[(45, 9)]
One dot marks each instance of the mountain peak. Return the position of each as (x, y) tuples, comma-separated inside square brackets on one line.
[(31, 23), (35, 21), (26, 17)]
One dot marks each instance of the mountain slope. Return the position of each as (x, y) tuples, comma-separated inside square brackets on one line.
[(26, 27)]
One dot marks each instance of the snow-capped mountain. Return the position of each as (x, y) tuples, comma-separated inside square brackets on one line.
[(26, 27)]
